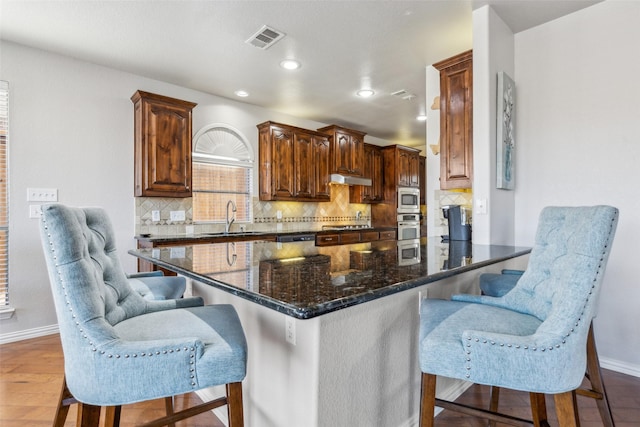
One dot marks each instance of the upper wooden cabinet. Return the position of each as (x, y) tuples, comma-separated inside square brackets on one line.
[(456, 121), (347, 150), (373, 168), (401, 167), (294, 163), (162, 145)]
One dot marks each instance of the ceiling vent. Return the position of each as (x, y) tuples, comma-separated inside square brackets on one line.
[(265, 37), (403, 94)]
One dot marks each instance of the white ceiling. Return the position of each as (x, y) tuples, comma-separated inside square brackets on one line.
[(343, 45)]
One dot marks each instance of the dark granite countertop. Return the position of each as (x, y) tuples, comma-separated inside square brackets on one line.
[(304, 281), (246, 235)]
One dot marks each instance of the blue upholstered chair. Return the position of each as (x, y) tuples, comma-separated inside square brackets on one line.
[(534, 338), (497, 285), (154, 285), (120, 348)]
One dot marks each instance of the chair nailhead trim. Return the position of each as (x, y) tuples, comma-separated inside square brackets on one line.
[(90, 342), (572, 330)]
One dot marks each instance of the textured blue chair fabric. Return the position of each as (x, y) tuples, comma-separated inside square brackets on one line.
[(497, 285), (119, 347), (533, 338), (154, 285)]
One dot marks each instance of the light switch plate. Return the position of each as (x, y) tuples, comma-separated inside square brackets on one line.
[(155, 216), (42, 194)]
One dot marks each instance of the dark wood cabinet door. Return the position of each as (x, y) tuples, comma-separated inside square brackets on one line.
[(321, 168), (303, 165), (162, 151), (422, 178), (357, 154), (342, 153), (282, 145), (372, 168), (414, 170), (456, 121)]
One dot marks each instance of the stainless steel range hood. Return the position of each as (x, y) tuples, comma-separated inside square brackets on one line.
[(349, 180)]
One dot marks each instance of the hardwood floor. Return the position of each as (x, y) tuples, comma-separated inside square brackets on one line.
[(31, 377)]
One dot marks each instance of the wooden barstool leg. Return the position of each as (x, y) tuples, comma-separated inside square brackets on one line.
[(66, 399), (168, 404), (538, 409), (566, 409), (493, 403), (112, 416), (88, 415), (234, 404), (594, 375), (428, 400)]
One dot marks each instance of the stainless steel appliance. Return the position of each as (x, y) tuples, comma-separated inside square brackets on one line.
[(459, 220), (409, 252), (408, 200), (408, 226)]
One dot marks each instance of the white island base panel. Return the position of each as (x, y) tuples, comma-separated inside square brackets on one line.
[(356, 367)]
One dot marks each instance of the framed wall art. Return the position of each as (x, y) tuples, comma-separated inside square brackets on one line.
[(505, 132)]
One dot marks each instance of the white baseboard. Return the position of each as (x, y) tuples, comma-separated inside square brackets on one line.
[(618, 366), (29, 333)]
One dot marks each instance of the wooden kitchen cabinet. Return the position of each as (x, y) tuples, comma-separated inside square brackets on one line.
[(347, 150), (401, 169), (373, 168), (162, 140), (294, 163), (456, 121), (422, 177)]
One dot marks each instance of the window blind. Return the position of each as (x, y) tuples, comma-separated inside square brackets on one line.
[(214, 185), (4, 194)]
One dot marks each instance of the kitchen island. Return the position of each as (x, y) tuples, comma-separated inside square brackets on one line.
[(332, 331)]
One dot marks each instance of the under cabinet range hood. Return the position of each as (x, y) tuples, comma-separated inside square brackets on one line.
[(349, 180)]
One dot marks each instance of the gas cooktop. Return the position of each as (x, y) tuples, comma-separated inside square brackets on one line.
[(345, 227)]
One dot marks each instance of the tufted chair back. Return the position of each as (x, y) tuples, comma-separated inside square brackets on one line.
[(81, 256), (566, 264)]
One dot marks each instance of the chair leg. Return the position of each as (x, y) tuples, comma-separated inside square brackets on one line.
[(112, 416), (234, 405), (538, 409), (88, 415), (493, 403), (64, 401), (428, 400), (168, 404), (566, 409), (594, 375)]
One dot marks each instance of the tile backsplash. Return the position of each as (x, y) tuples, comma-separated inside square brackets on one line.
[(444, 198), (296, 216)]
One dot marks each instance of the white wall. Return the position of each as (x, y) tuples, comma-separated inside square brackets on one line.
[(71, 128), (579, 144), (493, 51)]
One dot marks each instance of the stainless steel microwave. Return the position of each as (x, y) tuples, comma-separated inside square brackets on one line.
[(408, 200)]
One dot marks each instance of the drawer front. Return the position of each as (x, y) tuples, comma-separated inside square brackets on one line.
[(346, 238), (369, 236), (388, 235), (327, 239)]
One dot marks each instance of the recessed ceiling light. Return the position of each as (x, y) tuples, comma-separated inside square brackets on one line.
[(242, 93), (421, 117), (290, 64), (365, 93)]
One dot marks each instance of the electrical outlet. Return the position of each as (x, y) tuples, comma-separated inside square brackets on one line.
[(42, 194), (290, 330), (481, 206), (155, 216), (35, 211), (177, 216)]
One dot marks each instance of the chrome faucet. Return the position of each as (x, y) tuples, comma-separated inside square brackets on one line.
[(228, 222)]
